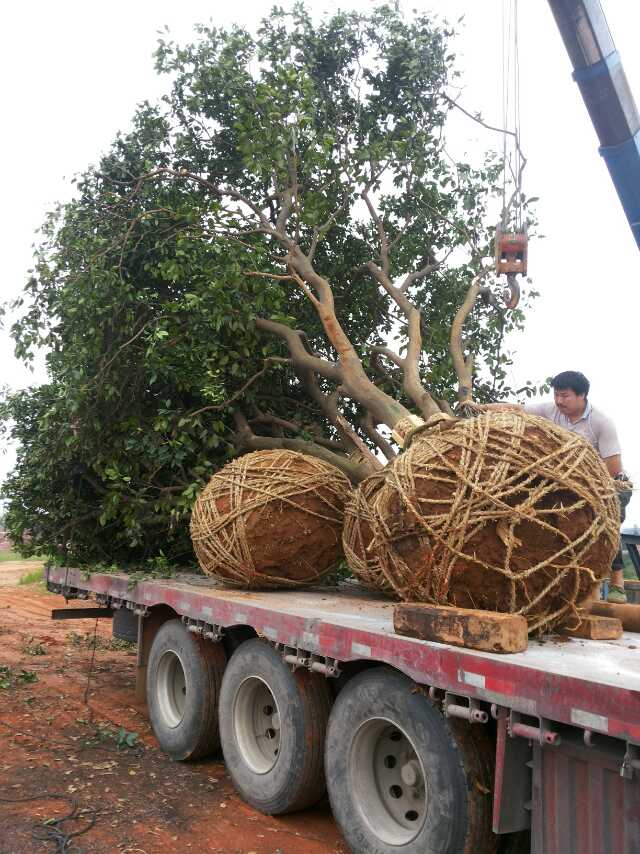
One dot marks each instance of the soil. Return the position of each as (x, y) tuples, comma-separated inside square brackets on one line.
[(53, 742)]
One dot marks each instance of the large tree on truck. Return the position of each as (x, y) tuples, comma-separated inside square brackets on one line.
[(273, 256)]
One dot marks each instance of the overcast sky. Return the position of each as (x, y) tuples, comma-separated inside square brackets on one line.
[(73, 73)]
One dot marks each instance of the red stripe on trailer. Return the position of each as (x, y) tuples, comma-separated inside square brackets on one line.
[(500, 686), (536, 682), (622, 729)]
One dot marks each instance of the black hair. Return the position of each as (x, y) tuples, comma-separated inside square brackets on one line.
[(573, 380)]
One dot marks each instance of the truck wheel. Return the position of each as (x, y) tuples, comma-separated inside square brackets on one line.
[(183, 685), (272, 725), (399, 780)]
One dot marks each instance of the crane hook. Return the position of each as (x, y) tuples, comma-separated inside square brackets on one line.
[(511, 294)]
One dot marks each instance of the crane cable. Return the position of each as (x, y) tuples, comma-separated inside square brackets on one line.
[(512, 160)]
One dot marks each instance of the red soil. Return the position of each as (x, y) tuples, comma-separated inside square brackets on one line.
[(53, 742)]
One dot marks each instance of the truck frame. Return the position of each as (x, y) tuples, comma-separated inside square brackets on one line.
[(562, 718)]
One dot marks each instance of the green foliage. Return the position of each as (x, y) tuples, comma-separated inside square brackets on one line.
[(104, 733), (10, 677), (89, 641), (31, 648), (140, 293), (125, 739)]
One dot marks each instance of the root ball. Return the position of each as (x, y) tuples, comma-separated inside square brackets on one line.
[(504, 512), (271, 519)]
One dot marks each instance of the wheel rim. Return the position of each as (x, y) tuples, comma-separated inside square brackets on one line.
[(172, 689), (388, 781), (256, 723)]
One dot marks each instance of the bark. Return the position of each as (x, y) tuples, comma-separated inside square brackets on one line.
[(410, 364), (355, 382), (462, 364), (245, 440)]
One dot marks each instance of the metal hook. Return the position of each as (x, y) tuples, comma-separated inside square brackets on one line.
[(511, 294)]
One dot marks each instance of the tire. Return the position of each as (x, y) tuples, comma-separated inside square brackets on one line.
[(401, 778), (272, 724), (184, 674)]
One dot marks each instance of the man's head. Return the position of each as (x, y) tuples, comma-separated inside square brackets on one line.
[(570, 390)]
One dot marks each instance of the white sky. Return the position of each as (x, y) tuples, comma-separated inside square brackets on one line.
[(73, 73)]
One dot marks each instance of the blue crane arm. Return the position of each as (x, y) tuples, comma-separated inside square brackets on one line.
[(598, 71)]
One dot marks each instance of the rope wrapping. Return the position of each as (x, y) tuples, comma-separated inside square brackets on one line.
[(502, 512), (357, 535), (271, 519)]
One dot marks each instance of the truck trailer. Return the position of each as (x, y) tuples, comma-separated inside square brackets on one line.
[(424, 747)]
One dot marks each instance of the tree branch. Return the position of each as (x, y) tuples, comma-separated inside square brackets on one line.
[(246, 440), (368, 425), (382, 234), (410, 364), (464, 365), (292, 427), (397, 360), (301, 358)]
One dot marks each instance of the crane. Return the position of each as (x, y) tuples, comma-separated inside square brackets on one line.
[(598, 71)]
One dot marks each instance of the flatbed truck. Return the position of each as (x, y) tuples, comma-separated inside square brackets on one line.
[(425, 748)]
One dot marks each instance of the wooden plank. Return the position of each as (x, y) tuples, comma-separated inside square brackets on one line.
[(485, 630), (629, 615), (593, 627)]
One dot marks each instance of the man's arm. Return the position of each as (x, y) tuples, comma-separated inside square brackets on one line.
[(545, 410), (608, 444), (613, 464), (501, 407)]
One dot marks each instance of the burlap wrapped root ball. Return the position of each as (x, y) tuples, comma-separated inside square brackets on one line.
[(357, 535), (271, 519), (504, 512)]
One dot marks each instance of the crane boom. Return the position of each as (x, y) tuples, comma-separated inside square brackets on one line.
[(598, 71)]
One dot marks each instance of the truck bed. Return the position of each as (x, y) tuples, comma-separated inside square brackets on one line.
[(593, 685)]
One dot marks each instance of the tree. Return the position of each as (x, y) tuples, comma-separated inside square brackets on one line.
[(274, 256)]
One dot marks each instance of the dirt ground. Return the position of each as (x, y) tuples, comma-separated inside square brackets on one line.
[(70, 727)]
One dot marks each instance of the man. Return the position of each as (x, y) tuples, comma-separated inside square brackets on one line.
[(572, 410)]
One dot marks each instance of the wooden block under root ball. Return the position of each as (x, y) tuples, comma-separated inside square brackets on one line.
[(485, 630), (593, 628), (629, 615)]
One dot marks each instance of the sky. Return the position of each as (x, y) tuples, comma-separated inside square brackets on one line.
[(73, 73)]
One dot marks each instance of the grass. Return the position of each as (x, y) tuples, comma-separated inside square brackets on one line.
[(35, 577), (8, 556), (31, 648), (11, 557)]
